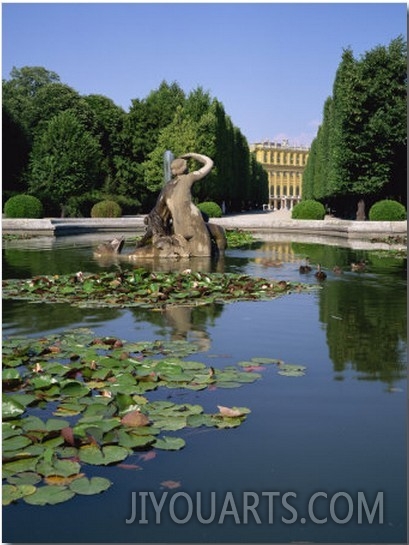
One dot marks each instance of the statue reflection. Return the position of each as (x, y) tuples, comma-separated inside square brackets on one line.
[(196, 264), (180, 320)]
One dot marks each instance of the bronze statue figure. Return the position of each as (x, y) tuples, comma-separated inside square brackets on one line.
[(175, 226)]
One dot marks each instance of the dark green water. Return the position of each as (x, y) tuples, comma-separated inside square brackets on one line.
[(341, 428)]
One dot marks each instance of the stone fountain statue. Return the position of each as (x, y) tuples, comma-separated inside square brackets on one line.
[(175, 226)]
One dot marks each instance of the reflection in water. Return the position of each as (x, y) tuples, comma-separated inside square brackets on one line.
[(30, 319), (366, 326), (180, 320), (364, 313), (196, 264)]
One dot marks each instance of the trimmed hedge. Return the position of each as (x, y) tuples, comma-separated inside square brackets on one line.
[(106, 209), (308, 210), (211, 209), (387, 210), (23, 206)]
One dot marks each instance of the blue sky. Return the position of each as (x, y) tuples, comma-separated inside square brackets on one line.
[(272, 65)]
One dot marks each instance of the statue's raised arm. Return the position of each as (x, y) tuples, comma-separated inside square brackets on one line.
[(206, 162)]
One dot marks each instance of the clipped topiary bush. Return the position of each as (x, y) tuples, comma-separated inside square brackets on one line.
[(387, 210), (106, 209), (211, 209), (23, 206), (308, 210)]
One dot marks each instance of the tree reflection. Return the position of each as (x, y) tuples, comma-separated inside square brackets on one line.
[(24, 318), (366, 326)]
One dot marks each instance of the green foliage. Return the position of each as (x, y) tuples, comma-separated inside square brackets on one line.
[(65, 161), (211, 209), (16, 149), (118, 153), (360, 147), (23, 206), (20, 90), (44, 461), (237, 238), (308, 210), (106, 209), (387, 210), (139, 287)]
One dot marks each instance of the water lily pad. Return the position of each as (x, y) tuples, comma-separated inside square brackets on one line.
[(291, 370), (131, 440), (109, 454), (24, 399), (9, 429), (171, 423), (115, 419), (169, 443), (197, 420), (43, 381), (12, 493), (87, 487), (100, 290), (227, 422), (54, 424), (49, 495), (63, 468), (19, 466), (11, 408), (11, 375), (266, 361), (26, 477), (74, 388), (15, 443)]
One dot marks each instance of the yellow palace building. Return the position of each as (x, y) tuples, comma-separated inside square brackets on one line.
[(284, 165)]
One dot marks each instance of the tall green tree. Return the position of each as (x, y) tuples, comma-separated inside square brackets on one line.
[(360, 148), (21, 89), (149, 116), (109, 126), (15, 149), (65, 161), (224, 154)]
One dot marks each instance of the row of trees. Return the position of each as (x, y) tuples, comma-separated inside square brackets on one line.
[(71, 150), (360, 148)]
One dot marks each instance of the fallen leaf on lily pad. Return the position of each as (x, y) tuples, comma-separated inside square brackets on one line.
[(171, 484), (134, 419), (59, 480), (233, 411)]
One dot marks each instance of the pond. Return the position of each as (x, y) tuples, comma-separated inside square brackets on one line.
[(320, 457)]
